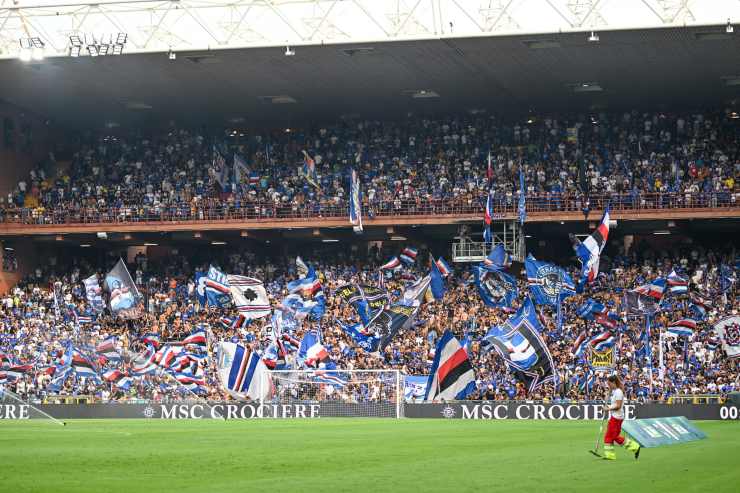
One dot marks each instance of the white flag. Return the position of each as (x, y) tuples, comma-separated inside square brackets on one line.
[(250, 296)]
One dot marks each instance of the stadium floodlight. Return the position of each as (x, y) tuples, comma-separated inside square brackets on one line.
[(172, 55), (121, 40), (103, 49), (289, 52), (594, 38), (92, 50), (26, 54), (729, 29), (75, 45)]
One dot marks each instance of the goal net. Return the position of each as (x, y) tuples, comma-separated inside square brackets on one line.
[(346, 393)]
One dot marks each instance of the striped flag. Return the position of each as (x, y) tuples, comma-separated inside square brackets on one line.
[(82, 366), (392, 264), (250, 297), (444, 267), (151, 338), (590, 250), (242, 372), (331, 377), (683, 327), (488, 218), (107, 349), (189, 380), (118, 378), (603, 340), (197, 337), (17, 371), (309, 170), (451, 376), (166, 355), (676, 283), (408, 255), (143, 363), (580, 344), (654, 289)]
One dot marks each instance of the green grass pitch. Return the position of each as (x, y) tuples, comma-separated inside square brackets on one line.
[(374, 455)]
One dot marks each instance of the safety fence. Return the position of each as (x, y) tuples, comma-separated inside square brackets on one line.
[(638, 203)]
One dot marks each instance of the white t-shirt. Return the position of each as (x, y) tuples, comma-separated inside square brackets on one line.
[(617, 395)]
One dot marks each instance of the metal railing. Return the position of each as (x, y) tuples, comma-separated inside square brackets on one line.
[(268, 211)]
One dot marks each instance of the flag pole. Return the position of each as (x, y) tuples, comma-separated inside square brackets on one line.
[(649, 352), (661, 371)]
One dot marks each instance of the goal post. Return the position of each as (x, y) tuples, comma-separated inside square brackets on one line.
[(339, 393)]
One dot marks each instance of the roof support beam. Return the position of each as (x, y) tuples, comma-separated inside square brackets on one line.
[(204, 24)]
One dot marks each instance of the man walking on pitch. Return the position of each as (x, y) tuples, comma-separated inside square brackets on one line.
[(616, 416)]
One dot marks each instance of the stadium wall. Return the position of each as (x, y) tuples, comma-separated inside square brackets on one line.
[(317, 410), (24, 140), (27, 256)]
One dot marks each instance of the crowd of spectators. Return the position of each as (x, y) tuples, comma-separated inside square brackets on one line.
[(36, 325), (421, 166)]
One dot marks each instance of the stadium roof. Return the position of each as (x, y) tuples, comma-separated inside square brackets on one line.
[(161, 25), (649, 68)]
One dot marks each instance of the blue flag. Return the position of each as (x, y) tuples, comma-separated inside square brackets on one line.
[(593, 310), (548, 283), (437, 283), (488, 218), (415, 387), (498, 258), (522, 198), (519, 343), (497, 289), (218, 292), (200, 288), (368, 342)]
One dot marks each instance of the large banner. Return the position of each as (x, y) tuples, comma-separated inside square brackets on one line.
[(314, 410), (494, 410), (201, 410), (387, 323), (125, 299)]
